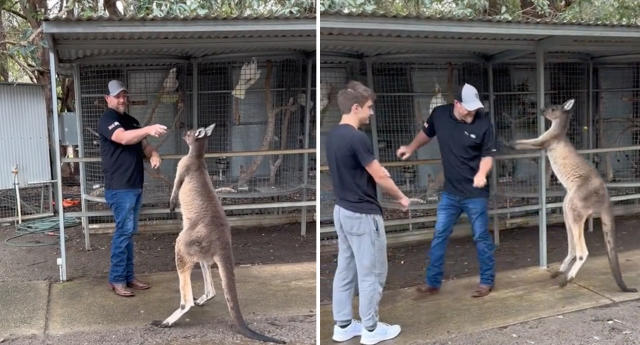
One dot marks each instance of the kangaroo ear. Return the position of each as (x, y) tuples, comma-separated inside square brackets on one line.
[(568, 104), (199, 133), (209, 129)]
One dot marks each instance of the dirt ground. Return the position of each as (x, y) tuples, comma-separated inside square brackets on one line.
[(518, 248), (154, 252), (615, 324)]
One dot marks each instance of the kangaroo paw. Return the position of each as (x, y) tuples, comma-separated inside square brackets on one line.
[(160, 324), (630, 290), (563, 281)]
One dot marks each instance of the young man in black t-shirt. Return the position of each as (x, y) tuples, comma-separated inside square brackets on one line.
[(467, 144), (362, 243), (122, 148)]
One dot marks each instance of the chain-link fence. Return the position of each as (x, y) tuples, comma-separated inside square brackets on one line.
[(604, 116), (260, 149)]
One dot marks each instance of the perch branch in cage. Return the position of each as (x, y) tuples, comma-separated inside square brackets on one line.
[(275, 165), (248, 173)]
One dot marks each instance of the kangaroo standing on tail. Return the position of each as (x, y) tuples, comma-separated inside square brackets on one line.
[(586, 194), (205, 237)]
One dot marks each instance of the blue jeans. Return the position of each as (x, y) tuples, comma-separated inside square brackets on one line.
[(125, 204), (449, 210)]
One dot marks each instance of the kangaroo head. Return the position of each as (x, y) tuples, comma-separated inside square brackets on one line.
[(559, 111), (198, 136)]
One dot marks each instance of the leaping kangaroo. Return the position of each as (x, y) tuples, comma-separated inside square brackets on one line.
[(205, 237), (586, 194)]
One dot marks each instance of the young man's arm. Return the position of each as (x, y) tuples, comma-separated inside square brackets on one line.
[(382, 178), (151, 153)]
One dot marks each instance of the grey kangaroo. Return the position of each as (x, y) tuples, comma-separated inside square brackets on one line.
[(586, 194), (205, 237)]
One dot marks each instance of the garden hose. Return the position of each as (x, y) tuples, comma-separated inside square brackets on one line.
[(39, 226)]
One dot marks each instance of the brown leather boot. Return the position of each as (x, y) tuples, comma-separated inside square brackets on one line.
[(481, 290), (138, 285), (121, 290)]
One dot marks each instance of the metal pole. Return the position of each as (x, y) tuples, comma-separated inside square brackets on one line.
[(542, 225), (82, 165), (374, 122), (62, 260), (305, 159), (494, 173), (590, 121), (194, 95)]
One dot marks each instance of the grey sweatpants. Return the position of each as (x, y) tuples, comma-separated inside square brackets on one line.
[(362, 262)]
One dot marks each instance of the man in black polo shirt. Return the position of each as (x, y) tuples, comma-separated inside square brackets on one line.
[(357, 216), (122, 148), (467, 144)]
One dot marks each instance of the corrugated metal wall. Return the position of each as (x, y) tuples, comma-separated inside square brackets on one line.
[(23, 135)]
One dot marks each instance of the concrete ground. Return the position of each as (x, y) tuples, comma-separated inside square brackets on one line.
[(520, 295), (269, 296)]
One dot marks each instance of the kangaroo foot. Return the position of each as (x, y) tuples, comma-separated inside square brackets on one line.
[(203, 299), (160, 324), (564, 280)]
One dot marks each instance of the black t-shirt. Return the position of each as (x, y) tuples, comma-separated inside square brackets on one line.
[(348, 152), (462, 145), (121, 164)]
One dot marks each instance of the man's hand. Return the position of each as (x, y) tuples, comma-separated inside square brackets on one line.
[(404, 203), (479, 181), (155, 160), (156, 130), (403, 152)]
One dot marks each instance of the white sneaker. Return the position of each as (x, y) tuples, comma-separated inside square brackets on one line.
[(343, 334), (382, 332)]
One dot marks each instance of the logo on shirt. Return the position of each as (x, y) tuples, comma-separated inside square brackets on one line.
[(426, 125), (473, 136), (113, 125)]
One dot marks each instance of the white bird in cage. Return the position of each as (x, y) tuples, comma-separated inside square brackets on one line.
[(325, 92), (170, 83), (437, 99), (249, 74), (70, 153)]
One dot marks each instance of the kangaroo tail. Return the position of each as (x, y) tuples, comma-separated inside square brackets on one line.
[(609, 232), (225, 265)]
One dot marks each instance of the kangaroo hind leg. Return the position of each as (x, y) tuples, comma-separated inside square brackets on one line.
[(209, 290), (571, 247), (184, 265), (575, 218)]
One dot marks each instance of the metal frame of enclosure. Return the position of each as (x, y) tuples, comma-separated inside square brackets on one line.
[(260, 177), (518, 67)]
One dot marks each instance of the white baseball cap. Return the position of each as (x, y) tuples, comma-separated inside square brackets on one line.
[(469, 98), (115, 87)]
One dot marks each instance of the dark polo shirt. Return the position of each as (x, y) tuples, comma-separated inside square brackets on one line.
[(462, 145), (121, 164)]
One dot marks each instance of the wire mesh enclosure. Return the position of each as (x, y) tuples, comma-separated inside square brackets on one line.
[(604, 118), (257, 155)]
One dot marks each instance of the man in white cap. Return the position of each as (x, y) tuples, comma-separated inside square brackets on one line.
[(122, 148), (467, 144)]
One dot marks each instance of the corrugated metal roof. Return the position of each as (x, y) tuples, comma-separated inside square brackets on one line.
[(379, 34), (110, 38), (89, 18), (481, 19)]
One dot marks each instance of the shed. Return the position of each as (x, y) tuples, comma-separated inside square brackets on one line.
[(519, 66), (250, 75)]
